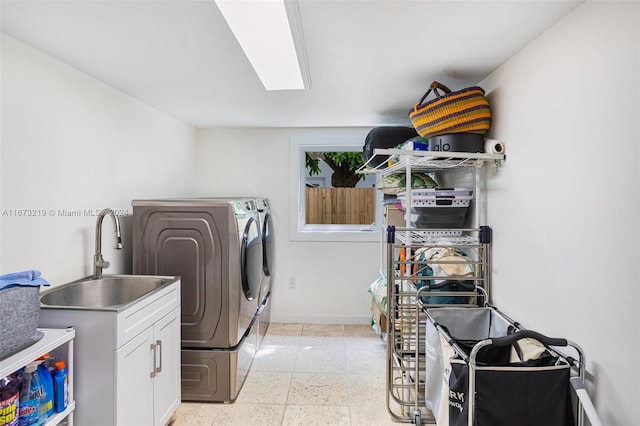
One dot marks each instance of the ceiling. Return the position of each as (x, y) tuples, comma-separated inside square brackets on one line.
[(370, 61)]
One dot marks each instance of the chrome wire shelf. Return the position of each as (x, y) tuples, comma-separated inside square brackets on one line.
[(397, 160), (438, 237)]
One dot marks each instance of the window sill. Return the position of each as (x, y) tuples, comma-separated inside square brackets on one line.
[(364, 234)]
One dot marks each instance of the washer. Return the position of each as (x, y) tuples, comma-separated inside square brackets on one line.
[(215, 245)]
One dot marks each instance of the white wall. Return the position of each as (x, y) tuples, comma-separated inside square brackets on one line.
[(332, 278), (70, 142), (564, 206)]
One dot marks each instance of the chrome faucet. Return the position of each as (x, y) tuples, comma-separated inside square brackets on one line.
[(98, 261)]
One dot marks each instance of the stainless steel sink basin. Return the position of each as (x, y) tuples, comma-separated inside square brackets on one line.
[(111, 292)]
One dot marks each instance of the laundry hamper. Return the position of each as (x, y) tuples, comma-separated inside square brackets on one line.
[(482, 370)]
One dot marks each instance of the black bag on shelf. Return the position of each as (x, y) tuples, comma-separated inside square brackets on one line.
[(385, 138)]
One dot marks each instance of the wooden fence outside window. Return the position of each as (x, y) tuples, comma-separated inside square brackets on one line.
[(344, 206)]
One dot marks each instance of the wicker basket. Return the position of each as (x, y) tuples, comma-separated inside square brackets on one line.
[(464, 111)]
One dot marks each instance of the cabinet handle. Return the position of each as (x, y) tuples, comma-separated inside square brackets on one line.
[(159, 346), (153, 371)]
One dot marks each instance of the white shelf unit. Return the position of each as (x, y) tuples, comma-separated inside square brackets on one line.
[(435, 162), (427, 160), (53, 339), (405, 343)]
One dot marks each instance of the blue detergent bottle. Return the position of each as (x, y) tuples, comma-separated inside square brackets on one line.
[(46, 381), (60, 386), (30, 397)]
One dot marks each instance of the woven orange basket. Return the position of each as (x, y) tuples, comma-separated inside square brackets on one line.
[(464, 111)]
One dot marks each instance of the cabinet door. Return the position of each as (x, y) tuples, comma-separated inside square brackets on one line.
[(166, 386), (134, 384)]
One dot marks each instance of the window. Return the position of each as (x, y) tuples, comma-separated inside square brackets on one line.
[(299, 228)]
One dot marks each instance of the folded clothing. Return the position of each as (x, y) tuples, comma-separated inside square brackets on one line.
[(25, 278), (444, 262)]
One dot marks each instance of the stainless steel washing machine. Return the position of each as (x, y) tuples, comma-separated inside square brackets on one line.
[(215, 245)]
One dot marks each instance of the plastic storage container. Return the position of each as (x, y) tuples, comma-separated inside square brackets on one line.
[(433, 197), (438, 207)]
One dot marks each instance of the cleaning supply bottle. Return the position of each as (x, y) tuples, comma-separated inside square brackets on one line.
[(46, 381), (49, 362), (60, 387), (9, 395), (30, 397)]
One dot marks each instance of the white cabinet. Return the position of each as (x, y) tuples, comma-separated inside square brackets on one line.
[(134, 384), (60, 344), (118, 352), (167, 383), (150, 364)]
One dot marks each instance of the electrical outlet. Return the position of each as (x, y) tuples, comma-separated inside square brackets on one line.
[(292, 283)]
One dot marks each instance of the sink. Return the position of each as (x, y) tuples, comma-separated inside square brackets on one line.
[(110, 292)]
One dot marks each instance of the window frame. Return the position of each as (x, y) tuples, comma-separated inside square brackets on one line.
[(298, 229)]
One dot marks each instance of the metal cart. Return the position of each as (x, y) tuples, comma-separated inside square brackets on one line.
[(409, 285), (482, 368)]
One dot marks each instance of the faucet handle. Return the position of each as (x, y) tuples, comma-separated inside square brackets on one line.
[(100, 262)]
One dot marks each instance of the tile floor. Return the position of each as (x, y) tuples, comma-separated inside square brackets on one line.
[(306, 374)]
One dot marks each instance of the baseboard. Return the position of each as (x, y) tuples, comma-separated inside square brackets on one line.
[(321, 319)]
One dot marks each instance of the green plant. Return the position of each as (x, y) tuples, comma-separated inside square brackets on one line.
[(343, 164)]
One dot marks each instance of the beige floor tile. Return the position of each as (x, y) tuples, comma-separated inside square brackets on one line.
[(239, 414), (265, 388), (365, 361), (318, 389), (367, 389), (313, 415), (284, 329), (370, 343), (276, 341), (322, 342), (275, 358), (196, 414), (358, 330), (323, 330), (320, 361)]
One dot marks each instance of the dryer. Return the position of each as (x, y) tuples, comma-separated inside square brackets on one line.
[(268, 243), (215, 246)]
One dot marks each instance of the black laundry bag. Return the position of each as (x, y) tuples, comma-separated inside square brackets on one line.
[(531, 393)]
